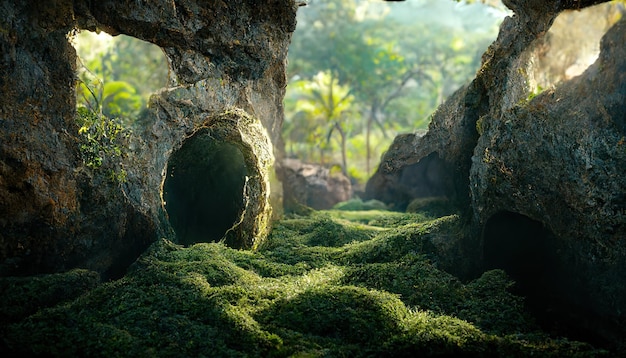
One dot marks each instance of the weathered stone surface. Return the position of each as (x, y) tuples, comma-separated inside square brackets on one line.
[(429, 177), (560, 159), (217, 182), (541, 180), (312, 185), (227, 63)]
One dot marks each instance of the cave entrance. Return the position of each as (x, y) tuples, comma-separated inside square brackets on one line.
[(203, 190), (529, 253), (522, 247)]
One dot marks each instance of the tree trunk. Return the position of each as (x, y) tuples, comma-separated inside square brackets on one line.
[(344, 156)]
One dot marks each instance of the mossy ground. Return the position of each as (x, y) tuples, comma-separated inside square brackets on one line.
[(331, 284)]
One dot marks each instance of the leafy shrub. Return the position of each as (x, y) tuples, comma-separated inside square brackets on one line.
[(101, 138)]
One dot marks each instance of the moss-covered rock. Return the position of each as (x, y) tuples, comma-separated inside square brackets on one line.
[(373, 291)]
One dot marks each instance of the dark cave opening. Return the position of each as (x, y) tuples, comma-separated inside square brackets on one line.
[(528, 251), (525, 249), (522, 247), (203, 190)]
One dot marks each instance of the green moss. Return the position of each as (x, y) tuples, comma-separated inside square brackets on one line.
[(379, 218), (357, 205), (426, 334), (393, 244), (330, 284), (431, 206), (345, 313), (415, 279), (23, 296)]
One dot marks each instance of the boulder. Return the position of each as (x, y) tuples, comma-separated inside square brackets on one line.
[(312, 185), (559, 160)]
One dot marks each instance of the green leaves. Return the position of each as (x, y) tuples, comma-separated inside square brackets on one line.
[(319, 106), (101, 142), (399, 62), (120, 99), (115, 78), (111, 99)]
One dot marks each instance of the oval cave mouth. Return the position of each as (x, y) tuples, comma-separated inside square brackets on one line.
[(203, 191)]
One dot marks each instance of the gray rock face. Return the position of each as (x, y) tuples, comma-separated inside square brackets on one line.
[(227, 80), (541, 179), (560, 159), (312, 185), (429, 177)]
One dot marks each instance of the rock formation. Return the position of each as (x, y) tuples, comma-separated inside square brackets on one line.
[(227, 80), (539, 175), (312, 185)]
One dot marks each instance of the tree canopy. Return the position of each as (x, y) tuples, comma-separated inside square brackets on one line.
[(396, 65)]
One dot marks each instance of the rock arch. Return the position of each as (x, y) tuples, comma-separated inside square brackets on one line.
[(216, 183), (226, 65)]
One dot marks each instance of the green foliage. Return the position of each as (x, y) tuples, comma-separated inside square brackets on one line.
[(124, 70), (335, 283), (115, 78), (322, 107), (399, 62), (116, 99), (100, 145)]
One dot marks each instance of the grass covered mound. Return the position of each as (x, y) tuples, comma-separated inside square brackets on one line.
[(332, 284)]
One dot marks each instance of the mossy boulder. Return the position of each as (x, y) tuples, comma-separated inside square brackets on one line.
[(290, 298), (531, 155)]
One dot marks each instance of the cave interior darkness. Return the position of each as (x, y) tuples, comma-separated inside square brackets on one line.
[(528, 252), (203, 191)]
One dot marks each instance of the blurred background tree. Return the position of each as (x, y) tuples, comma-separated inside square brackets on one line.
[(322, 107), (117, 75), (361, 72), (399, 61), (115, 78)]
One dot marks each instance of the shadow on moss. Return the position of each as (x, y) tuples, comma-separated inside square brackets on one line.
[(325, 285)]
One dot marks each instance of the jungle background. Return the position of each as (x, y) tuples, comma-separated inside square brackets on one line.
[(360, 72)]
